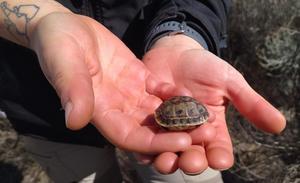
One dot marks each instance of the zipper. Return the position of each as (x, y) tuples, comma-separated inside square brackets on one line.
[(91, 8), (86, 8), (96, 6)]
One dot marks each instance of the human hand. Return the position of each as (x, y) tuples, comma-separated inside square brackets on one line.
[(98, 79), (182, 63)]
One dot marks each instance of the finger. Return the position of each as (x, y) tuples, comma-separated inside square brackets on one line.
[(219, 155), (165, 90), (67, 72), (166, 163), (127, 133), (219, 151), (203, 134), (193, 161), (253, 106)]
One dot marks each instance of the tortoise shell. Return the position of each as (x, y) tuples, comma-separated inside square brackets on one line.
[(181, 113)]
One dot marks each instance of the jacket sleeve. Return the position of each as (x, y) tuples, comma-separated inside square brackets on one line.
[(207, 17)]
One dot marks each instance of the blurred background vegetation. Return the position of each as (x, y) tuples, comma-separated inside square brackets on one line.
[(264, 45), (264, 39)]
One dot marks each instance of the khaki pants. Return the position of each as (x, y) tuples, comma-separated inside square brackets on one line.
[(66, 163), (150, 175)]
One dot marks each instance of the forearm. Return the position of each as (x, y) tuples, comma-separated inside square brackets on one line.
[(19, 17)]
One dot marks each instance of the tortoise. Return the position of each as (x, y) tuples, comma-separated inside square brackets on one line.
[(181, 113)]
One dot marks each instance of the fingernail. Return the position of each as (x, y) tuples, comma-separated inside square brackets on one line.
[(144, 162), (140, 160), (68, 108), (194, 173)]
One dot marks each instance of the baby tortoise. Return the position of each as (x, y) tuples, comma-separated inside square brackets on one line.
[(181, 113)]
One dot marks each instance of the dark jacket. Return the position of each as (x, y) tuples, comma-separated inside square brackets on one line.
[(30, 102)]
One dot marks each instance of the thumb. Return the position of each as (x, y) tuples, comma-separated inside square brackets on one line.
[(67, 72), (254, 107)]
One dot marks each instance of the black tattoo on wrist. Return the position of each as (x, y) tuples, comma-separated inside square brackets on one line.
[(17, 18)]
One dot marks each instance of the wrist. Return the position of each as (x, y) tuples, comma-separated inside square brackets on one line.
[(173, 28), (177, 41), (18, 19), (47, 8)]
